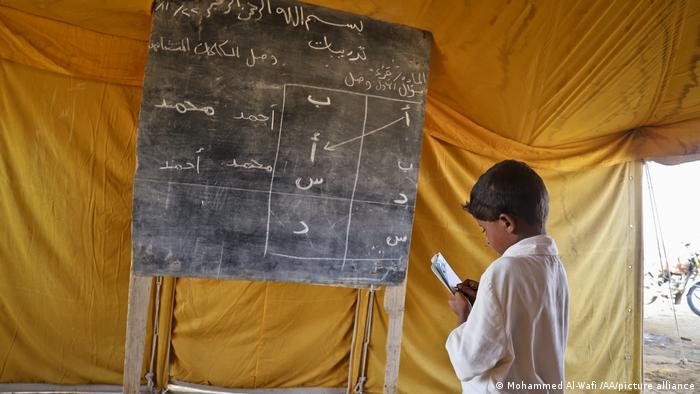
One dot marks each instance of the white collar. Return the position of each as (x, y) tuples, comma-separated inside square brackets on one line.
[(539, 244)]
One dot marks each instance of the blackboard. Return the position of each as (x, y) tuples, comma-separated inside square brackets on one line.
[(278, 141)]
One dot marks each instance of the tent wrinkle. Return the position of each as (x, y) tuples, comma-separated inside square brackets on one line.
[(70, 50), (94, 59)]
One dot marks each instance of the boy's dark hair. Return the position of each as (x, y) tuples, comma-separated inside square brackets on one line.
[(509, 187)]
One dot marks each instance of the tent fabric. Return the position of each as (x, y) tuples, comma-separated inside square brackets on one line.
[(270, 334), (66, 169), (70, 50), (556, 83), (581, 90), (676, 139)]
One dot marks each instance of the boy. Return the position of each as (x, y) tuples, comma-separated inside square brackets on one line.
[(514, 336)]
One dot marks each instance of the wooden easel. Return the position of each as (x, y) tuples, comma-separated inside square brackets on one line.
[(137, 316)]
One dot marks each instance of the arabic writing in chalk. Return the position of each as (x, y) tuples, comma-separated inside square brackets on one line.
[(221, 48), (168, 45), (252, 165), (186, 106), (253, 118), (395, 240), (294, 16), (319, 103), (244, 11), (311, 183), (173, 165), (402, 200), (252, 60), (298, 16), (405, 169), (304, 230), (313, 146), (208, 48), (260, 117), (389, 78), (351, 55)]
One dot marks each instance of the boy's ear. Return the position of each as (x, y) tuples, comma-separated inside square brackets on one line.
[(507, 221)]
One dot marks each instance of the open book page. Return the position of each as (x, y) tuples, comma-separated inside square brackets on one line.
[(444, 272)]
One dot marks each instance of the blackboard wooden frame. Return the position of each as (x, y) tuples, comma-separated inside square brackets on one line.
[(137, 315), (403, 81)]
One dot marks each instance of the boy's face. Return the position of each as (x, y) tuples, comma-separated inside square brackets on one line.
[(498, 234)]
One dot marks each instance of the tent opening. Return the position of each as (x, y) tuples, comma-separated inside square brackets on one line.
[(671, 347)]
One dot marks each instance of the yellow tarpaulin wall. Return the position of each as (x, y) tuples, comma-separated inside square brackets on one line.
[(579, 89)]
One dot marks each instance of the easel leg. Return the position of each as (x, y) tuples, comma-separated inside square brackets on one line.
[(394, 300), (139, 297)]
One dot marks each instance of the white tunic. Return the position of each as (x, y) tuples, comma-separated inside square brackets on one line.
[(515, 336)]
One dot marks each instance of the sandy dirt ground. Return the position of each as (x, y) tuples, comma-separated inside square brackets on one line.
[(667, 358)]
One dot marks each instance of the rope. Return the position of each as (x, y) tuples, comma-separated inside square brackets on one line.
[(661, 246)]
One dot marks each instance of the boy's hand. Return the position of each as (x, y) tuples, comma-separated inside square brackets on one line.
[(460, 306), (469, 288)]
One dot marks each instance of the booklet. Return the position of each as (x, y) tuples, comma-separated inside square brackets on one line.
[(444, 272)]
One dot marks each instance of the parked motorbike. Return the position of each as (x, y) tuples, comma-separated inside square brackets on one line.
[(685, 272), (694, 298)]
